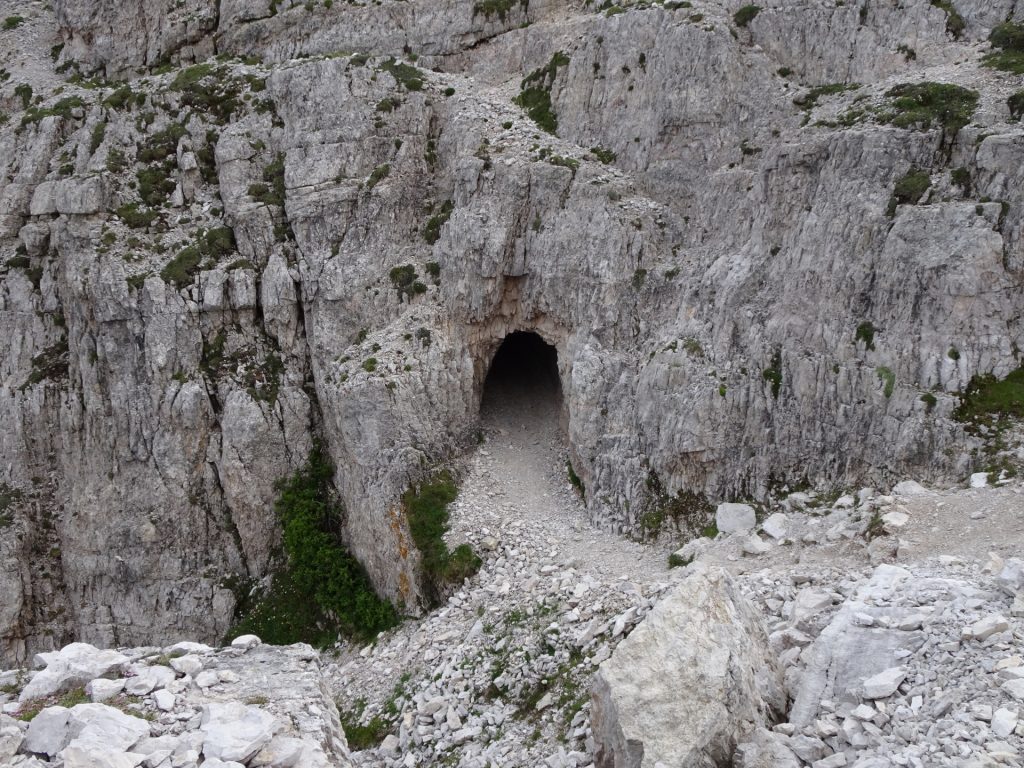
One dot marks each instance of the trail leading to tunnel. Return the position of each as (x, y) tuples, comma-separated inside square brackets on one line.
[(518, 485)]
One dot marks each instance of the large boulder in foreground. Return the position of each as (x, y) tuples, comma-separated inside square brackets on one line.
[(689, 683)]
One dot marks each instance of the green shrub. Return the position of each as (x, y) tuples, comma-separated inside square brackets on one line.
[(432, 230), (24, 92), (49, 365), (405, 280), (606, 156), (988, 400), (61, 109), (810, 99), (929, 401), (155, 185), (678, 561), (116, 161), (135, 217), (426, 510), (499, 8), (745, 15), (575, 481), (434, 270), (954, 21), (535, 93), (565, 162), (962, 178), (123, 97), (909, 190), (920, 105), (370, 364), (773, 374), (96, 138), (378, 174), (13, 22), (866, 333), (162, 145), (208, 89), (362, 737), (888, 378), (1016, 105), (181, 268), (272, 191), (1008, 37), (322, 590), (406, 75)]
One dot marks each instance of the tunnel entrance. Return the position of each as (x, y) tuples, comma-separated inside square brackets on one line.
[(523, 379)]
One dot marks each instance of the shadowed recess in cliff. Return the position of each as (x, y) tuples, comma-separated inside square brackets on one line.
[(523, 374)]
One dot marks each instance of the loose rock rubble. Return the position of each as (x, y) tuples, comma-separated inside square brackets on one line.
[(176, 707)]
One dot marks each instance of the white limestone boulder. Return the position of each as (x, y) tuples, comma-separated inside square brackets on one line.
[(735, 518), (100, 727), (235, 731), (776, 525), (48, 732), (690, 683), (74, 665), (96, 757)]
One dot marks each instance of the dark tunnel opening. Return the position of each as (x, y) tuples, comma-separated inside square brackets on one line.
[(523, 374)]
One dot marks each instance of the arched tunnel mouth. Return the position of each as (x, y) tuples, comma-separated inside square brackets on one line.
[(523, 379)]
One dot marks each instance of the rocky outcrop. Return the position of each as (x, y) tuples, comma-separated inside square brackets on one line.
[(692, 681), (706, 255), (182, 705)]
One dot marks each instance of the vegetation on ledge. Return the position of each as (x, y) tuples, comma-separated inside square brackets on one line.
[(322, 591), (426, 509)]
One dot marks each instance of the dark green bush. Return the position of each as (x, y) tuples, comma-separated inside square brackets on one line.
[(810, 99), (405, 280), (1016, 105), (866, 333), (13, 22), (432, 231), (575, 481), (182, 267), (962, 178), (988, 400), (49, 365), (535, 93), (96, 138), (322, 591), (155, 185), (162, 145), (379, 173), (406, 75), (499, 8), (1008, 37), (954, 21), (210, 90), (922, 105), (426, 509), (272, 191), (24, 92), (61, 109), (745, 15), (888, 379), (135, 217), (909, 190), (773, 374)]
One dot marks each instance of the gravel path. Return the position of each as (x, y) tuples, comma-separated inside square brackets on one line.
[(518, 490)]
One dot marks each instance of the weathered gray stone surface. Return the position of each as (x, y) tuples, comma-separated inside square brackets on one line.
[(268, 708), (703, 290), (691, 682)]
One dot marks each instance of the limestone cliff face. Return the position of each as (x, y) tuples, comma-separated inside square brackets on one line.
[(704, 286)]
